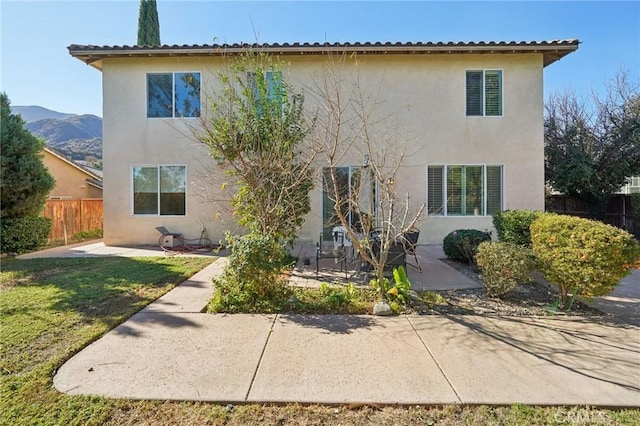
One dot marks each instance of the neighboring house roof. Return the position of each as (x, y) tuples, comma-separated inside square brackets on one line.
[(551, 50), (93, 179)]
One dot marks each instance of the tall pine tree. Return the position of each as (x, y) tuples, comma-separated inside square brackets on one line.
[(24, 185), (26, 181), (148, 24)]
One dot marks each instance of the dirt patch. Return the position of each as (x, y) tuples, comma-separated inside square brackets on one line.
[(535, 298)]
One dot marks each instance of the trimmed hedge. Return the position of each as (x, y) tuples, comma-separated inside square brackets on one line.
[(462, 244), (24, 234), (581, 256), (513, 226), (504, 266)]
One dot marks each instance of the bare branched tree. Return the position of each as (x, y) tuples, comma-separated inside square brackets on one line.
[(368, 201)]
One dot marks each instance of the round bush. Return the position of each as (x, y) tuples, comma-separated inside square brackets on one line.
[(24, 234), (252, 281), (582, 256), (462, 244), (512, 226), (504, 266)]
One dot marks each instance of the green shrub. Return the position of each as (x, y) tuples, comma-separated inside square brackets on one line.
[(513, 226), (87, 235), (582, 257), (504, 266), (462, 244), (253, 279), (20, 235), (399, 291), (337, 297)]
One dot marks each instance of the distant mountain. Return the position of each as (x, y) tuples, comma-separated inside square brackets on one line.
[(35, 113), (77, 137), (75, 127)]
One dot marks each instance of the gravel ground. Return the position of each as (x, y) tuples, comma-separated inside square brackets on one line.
[(530, 299)]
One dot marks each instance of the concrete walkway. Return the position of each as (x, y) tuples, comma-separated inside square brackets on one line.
[(172, 351), (624, 301), (97, 248)]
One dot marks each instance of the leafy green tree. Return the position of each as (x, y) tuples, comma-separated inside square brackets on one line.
[(26, 182), (255, 130), (589, 153), (148, 24)]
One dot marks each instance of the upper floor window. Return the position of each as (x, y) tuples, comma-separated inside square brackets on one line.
[(484, 93), (173, 95), (268, 91), (632, 186)]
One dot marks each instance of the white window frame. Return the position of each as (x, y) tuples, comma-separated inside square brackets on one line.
[(443, 212), (632, 186), (132, 189), (173, 94), (484, 92)]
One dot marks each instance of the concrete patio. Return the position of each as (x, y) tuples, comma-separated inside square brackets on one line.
[(170, 350), (435, 274)]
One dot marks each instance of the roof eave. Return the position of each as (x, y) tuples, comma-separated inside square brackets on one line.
[(551, 51)]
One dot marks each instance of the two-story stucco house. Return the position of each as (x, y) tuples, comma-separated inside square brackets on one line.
[(475, 110)]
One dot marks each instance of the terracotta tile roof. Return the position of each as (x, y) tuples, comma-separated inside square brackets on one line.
[(551, 50)]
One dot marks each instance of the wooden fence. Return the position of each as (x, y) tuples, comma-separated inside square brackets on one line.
[(69, 217), (619, 211)]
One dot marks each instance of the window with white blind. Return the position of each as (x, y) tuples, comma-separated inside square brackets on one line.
[(464, 190), (484, 93)]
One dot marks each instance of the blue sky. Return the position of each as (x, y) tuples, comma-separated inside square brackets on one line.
[(36, 68)]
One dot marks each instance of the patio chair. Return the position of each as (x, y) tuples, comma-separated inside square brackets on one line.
[(175, 242), (335, 251), (168, 240), (410, 241)]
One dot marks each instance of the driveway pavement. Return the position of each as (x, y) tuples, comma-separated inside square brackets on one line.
[(172, 351)]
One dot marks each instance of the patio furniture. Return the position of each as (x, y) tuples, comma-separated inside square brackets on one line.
[(410, 242), (175, 242), (335, 251), (396, 255)]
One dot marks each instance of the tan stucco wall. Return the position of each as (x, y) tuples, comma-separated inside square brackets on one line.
[(424, 93), (70, 181)]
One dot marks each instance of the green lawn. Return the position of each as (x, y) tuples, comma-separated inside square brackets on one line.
[(52, 308)]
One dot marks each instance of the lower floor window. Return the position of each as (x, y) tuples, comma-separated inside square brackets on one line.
[(464, 190), (159, 190), (355, 199)]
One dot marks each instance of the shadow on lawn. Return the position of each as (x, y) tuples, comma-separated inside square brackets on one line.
[(107, 289)]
